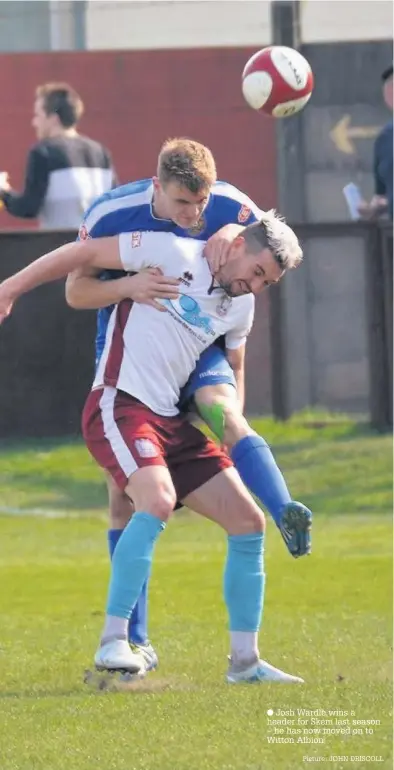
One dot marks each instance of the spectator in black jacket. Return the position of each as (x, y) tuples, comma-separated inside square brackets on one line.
[(65, 171), (382, 201)]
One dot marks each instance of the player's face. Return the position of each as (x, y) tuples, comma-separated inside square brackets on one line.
[(246, 273), (173, 201), (41, 121)]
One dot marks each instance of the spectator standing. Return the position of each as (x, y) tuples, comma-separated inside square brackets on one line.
[(65, 171), (382, 201)]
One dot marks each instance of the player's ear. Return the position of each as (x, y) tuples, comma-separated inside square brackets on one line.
[(239, 241), (156, 183)]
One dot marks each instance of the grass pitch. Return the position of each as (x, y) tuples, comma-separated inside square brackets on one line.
[(327, 618)]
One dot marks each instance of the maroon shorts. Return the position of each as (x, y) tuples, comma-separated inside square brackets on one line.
[(124, 435)]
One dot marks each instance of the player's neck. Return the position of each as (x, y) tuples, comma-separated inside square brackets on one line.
[(60, 131)]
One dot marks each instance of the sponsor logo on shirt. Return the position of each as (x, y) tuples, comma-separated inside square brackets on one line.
[(210, 373), (224, 305), (146, 448), (244, 214), (189, 311)]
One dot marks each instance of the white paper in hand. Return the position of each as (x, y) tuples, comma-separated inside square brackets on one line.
[(353, 199)]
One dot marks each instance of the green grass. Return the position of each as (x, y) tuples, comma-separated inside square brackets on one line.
[(327, 618)]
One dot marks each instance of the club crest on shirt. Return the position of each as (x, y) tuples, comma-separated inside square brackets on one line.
[(135, 240), (244, 214), (146, 448), (83, 233), (224, 305), (198, 228)]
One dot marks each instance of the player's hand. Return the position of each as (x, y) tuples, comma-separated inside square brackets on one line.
[(295, 527), (149, 286), (6, 303), (218, 246)]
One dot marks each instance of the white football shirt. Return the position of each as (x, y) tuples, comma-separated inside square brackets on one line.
[(151, 355)]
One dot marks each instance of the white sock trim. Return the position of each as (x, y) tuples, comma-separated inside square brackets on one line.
[(244, 645), (115, 628)]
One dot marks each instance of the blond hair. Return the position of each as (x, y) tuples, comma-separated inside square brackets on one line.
[(272, 233), (188, 163)]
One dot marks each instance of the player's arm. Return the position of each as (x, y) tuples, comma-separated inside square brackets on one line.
[(115, 253), (218, 245), (379, 203), (85, 290), (103, 252), (236, 359), (236, 339)]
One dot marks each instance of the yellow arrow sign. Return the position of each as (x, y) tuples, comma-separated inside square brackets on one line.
[(343, 133)]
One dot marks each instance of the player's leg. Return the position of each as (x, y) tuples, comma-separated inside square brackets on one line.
[(218, 405), (225, 499), (213, 388), (120, 511), (129, 449), (154, 498)]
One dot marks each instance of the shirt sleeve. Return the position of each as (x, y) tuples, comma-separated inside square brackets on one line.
[(237, 336), (380, 187), (95, 226), (235, 207), (28, 204), (115, 178), (147, 249), (111, 167), (248, 214)]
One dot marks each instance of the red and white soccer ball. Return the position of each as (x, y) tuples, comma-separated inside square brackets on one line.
[(278, 81)]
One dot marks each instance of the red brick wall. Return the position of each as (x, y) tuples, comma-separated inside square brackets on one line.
[(136, 99)]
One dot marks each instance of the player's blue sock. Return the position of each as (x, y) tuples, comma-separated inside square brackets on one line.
[(131, 563), (256, 465), (244, 581), (113, 537), (138, 625)]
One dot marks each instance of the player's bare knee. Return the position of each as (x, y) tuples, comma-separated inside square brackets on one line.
[(162, 503), (257, 519), (152, 491), (158, 499), (120, 506), (219, 408), (250, 519), (247, 518), (120, 513), (235, 425)]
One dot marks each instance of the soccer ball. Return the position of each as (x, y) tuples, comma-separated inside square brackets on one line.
[(278, 81)]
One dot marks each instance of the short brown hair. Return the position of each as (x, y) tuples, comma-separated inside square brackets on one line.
[(272, 233), (61, 100), (188, 163)]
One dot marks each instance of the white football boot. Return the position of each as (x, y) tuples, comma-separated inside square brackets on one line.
[(148, 653), (258, 671), (116, 655)]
